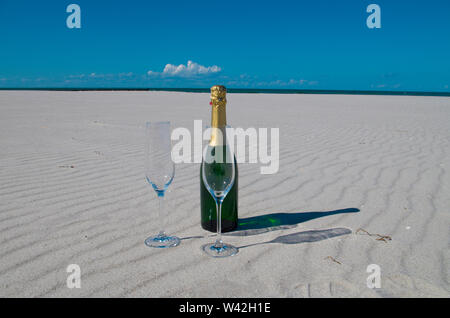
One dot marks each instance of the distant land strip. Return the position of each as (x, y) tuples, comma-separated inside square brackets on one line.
[(239, 91)]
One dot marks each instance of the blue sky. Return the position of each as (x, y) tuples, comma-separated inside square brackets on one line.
[(242, 44)]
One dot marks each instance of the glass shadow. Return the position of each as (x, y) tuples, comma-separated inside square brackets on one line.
[(306, 236)]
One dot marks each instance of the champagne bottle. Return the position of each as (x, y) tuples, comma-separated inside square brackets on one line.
[(229, 219)]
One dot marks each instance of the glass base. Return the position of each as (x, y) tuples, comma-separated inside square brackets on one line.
[(162, 241), (224, 251)]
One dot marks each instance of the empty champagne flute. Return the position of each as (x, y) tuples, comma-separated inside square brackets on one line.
[(218, 174), (159, 172)]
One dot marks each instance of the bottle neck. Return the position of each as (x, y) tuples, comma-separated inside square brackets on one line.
[(218, 124), (218, 115)]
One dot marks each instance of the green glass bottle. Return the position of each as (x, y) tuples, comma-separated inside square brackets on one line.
[(230, 204)]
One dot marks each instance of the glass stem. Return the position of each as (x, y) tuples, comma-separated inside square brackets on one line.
[(219, 242), (162, 233)]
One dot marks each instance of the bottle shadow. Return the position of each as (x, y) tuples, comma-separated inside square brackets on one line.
[(279, 221), (305, 236)]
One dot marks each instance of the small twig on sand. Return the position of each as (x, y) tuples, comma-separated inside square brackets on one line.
[(383, 238), (67, 167), (333, 259)]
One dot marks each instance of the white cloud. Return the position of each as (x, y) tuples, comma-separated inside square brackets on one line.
[(151, 73), (188, 70), (292, 83), (126, 74)]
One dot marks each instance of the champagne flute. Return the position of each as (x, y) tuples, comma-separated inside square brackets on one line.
[(159, 172), (218, 173)]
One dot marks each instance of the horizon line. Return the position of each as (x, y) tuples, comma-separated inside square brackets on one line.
[(238, 90)]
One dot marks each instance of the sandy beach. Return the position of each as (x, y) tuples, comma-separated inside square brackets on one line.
[(73, 191)]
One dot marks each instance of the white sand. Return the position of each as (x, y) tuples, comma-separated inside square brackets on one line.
[(385, 155)]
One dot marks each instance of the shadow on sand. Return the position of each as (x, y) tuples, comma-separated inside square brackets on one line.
[(305, 236), (279, 221)]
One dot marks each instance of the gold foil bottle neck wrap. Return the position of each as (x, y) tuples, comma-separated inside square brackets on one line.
[(218, 94), (218, 114), (218, 103)]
